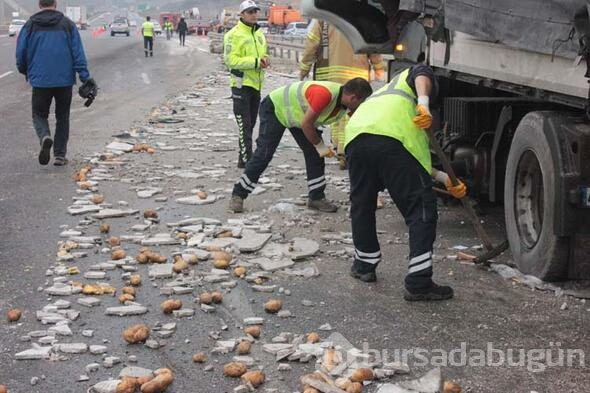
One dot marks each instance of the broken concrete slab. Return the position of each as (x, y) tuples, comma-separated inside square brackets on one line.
[(71, 348), (252, 241), (196, 201), (59, 289), (98, 349), (183, 313), (36, 353), (149, 192), (115, 213), (301, 248), (275, 348), (135, 372), (160, 270), (95, 275), (271, 265), (124, 311), (77, 210), (120, 147)]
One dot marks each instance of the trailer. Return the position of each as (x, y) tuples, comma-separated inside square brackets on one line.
[(78, 16), (513, 80)]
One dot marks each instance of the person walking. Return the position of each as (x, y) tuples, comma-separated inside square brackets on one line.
[(301, 107), (168, 28), (386, 147), (182, 29), (147, 30), (47, 36), (245, 56), (329, 56)]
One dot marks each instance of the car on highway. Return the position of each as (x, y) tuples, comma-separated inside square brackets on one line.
[(133, 23), (157, 28), (263, 24), (120, 26), (15, 26), (297, 29)]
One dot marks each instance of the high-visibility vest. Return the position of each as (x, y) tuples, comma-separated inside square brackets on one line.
[(244, 46), (290, 104), (168, 26), (390, 112), (148, 29)]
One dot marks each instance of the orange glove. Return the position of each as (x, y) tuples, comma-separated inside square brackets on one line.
[(325, 150), (458, 191), (423, 117)]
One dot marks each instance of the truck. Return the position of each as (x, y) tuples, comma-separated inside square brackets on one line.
[(279, 17), (173, 17), (513, 89), (78, 16)]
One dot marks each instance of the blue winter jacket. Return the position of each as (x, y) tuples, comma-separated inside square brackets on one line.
[(49, 51)]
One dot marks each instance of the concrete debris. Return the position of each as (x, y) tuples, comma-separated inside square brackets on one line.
[(252, 241), (160, 270), (432, 382), (71, 348), (272, 265), (35, 353), (114, 213), (124, 311), (135, 372), (120, 147), (160, 239), (196, 201)]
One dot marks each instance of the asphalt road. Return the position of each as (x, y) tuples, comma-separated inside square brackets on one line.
[(487, 309)]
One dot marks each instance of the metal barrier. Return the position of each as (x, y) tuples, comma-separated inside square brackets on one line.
[(279, 45)]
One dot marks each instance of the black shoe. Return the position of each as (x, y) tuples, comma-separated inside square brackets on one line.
[(60, 161), (45, 152), (434, 292), (363, 274)]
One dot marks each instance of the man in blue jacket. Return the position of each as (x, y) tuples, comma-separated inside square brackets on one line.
[(49, 53)]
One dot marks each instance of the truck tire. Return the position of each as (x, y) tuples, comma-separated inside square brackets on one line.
[(529, 201)]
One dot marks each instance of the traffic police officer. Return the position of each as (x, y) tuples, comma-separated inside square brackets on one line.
[(386, 147), (245, 55)]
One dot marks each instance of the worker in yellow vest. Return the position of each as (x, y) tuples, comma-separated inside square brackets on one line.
[(387, 148), (147, 30), (301, 107), (329, 54), (168, 28)]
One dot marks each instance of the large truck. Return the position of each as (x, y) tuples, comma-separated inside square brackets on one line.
[(279, 17), (513, 80), (78, 16)]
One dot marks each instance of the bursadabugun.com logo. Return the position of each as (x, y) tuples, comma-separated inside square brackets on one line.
[(341, 354)]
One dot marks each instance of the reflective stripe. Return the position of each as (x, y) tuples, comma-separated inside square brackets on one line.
[(420, 267), (313, 181), (290, 118), (420, 258), (302, 104), (247, 187), (247, 180), (372, 261), (246, 183), (368, 254), (319, 185)]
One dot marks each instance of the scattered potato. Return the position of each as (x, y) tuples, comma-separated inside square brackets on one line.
[(136, 334), (255, 378), (205, 298), (313, 338), (451, 387), (200, 357), (135, 280), (217, 297), (97, 199), (145, 379), (240, 271), (114, 241), (126, 297), (342, 383), (142, 258), (105, 228), (98, 289), (150, 213), (234, 369), (362, 374), (160, 383), (151, 150), (129, 290), (14, 315), (127, 385), (355, 387), (273, 306), (202, 195), (221, 255), (244, 347), (221, 264), (180, 265), (170, 305), (191, 259), (330, 359), (253, 331), (118, 254)]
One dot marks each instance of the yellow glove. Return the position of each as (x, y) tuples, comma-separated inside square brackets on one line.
[(458, 191), (423, 117)]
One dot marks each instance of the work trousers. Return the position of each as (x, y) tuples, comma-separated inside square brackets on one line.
[(182, 38), (41, 104), (270, 134), (378, 162), (148, 45), (246, 104)]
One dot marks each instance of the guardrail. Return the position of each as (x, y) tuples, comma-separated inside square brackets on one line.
[(279, 45)]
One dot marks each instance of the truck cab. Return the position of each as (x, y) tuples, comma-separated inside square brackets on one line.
[(513, 95)]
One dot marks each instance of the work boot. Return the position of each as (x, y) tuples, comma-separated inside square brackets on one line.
[(322, 205), (236, 204), (363, 271), (434, 292), (45, 152), (241, 164), (60, 161)]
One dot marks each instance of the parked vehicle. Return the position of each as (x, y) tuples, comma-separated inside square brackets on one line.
[(516, 104), (297, 29), (280, 16), (78, 16), (157, 28), (15, 26), (120, 26)]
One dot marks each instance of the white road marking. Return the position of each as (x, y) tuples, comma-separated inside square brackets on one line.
[(6, 74), (146, 78)]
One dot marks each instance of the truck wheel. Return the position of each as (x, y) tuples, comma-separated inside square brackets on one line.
[(529, 202)]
